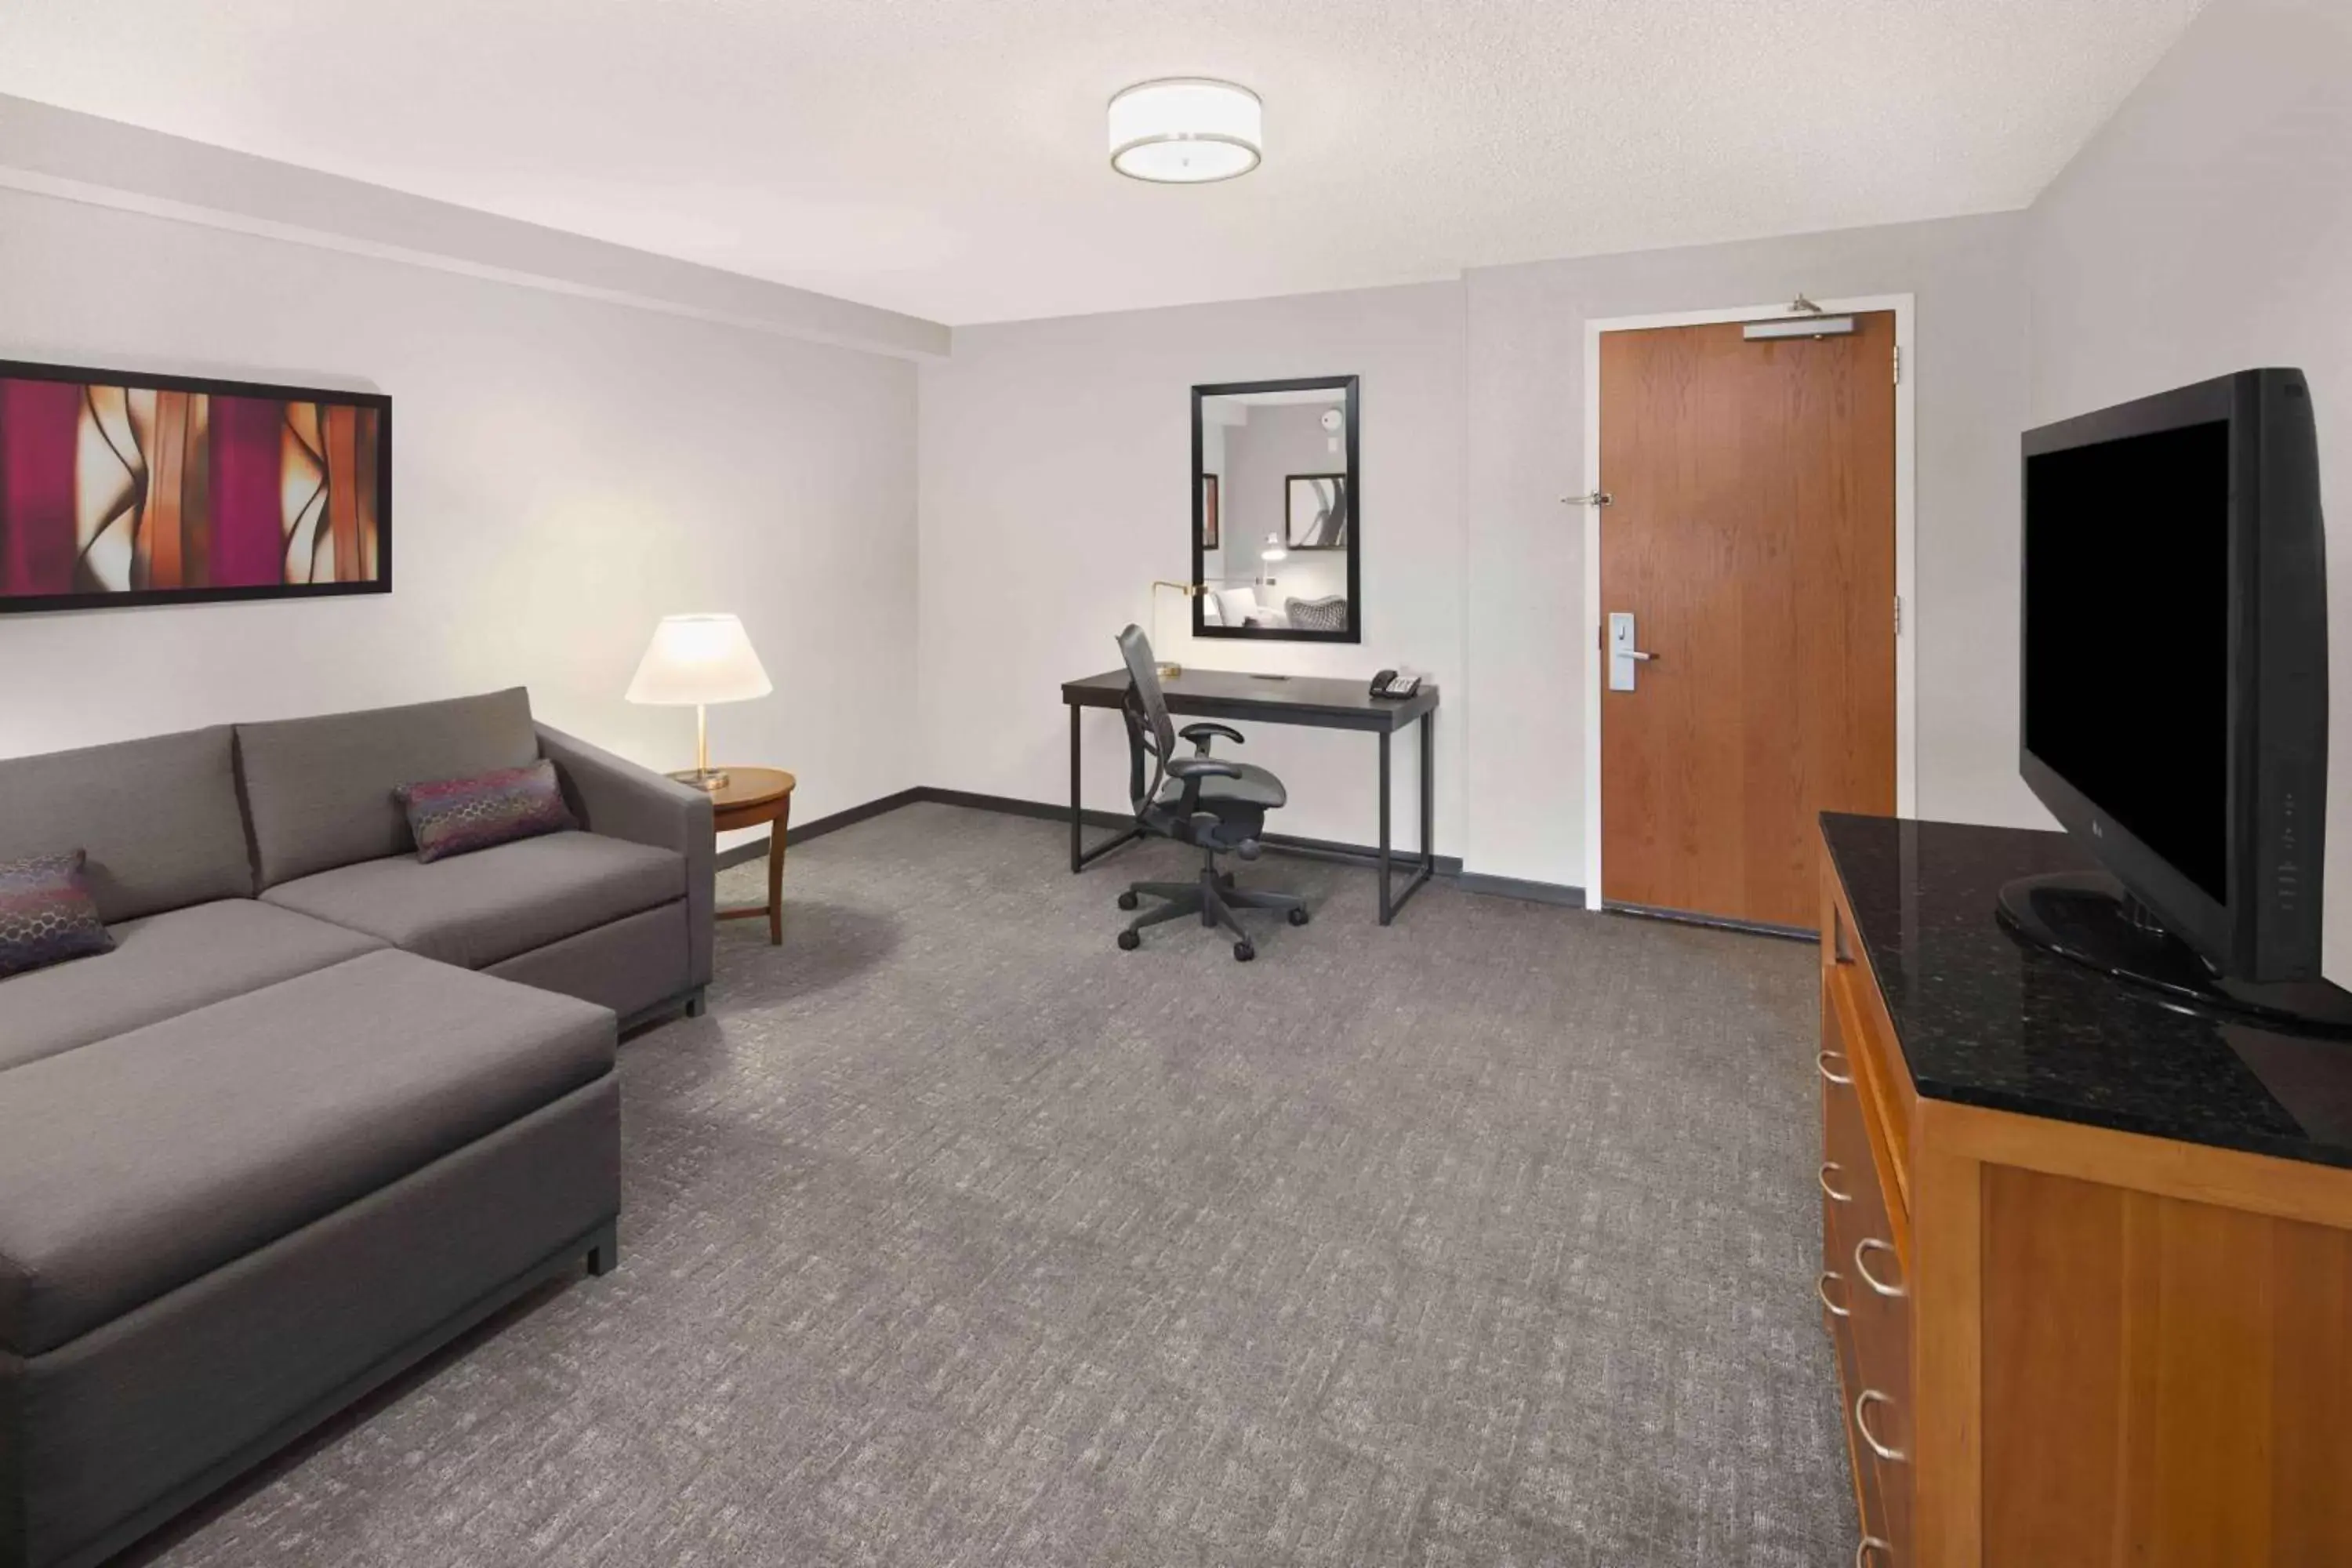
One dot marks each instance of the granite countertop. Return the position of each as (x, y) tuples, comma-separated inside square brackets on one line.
[(1983, 1019)]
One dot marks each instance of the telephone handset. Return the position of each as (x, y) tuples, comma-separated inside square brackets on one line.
[(1389, 683)]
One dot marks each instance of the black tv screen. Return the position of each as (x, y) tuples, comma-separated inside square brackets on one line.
[(2128, 636), (2174, 673)]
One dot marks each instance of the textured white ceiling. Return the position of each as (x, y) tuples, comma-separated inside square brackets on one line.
[(947, 158)]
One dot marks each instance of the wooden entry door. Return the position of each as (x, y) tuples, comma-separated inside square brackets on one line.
[(1750, 533)]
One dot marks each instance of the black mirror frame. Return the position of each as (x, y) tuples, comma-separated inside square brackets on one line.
[(1352, 386)]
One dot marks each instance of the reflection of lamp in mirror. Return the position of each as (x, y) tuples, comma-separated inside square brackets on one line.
[(1274, 551), (1168, 669)]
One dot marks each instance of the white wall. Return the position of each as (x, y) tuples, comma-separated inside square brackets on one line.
[(1073, 431), (2207, 229), (566, 472), (1062, 446)]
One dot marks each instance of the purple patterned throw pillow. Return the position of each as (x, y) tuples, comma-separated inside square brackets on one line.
[(46, 914), (456, 816)]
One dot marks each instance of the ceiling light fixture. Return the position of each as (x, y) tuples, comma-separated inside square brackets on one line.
[(1186, 131)]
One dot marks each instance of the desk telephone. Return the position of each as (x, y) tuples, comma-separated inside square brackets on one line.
[(1389, 683)]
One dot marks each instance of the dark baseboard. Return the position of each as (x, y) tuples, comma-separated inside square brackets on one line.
[(803, 831), (1012, 805), (1288, 843), (1716, 922), (1558, 893)]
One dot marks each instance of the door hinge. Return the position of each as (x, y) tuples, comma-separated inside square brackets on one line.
[(1898, 364), (1898, 615)]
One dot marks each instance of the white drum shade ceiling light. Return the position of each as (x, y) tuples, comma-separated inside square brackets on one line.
[(1186, 131)]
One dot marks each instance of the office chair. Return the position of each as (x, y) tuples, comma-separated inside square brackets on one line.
[(1212, 804)]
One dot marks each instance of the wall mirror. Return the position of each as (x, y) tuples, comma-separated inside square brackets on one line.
[(1275, 510)]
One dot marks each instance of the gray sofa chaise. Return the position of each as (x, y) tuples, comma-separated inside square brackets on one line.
[(324, 1106)]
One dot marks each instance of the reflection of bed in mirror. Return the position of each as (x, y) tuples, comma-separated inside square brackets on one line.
[(1256, 605)]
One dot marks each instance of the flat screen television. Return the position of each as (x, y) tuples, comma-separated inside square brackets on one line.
[(2174, 691)]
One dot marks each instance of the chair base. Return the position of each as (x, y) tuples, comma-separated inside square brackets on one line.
[(1214, 896)]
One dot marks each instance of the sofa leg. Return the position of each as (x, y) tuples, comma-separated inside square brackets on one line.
[(604, 1251), (697, 1003)]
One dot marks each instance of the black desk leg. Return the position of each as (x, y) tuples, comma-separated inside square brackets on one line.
[(1388, 909), (1081, 856), (1390, 902), (1077, 814)]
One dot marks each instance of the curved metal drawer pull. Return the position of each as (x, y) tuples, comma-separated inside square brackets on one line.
[(1862, 1403), (1822, 1289), (1828, 1191), (1871, 1543), (1861, 1267), (1823, 1063)]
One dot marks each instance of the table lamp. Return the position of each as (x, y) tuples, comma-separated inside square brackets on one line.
[(700, 660), (1168, 669)]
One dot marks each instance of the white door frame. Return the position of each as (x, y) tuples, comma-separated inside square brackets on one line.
[(1907, 641)]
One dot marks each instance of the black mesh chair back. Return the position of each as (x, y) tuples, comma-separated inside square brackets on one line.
[(1148, 717)]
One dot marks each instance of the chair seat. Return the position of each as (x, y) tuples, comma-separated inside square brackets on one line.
[(482, 909), (1256, 787), (232, 1126), (164, 965)]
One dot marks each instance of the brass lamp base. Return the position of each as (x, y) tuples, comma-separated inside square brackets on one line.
[(1169, 669), (709, 780)]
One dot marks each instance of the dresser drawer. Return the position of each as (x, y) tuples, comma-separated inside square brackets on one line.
[(1865, 1293)]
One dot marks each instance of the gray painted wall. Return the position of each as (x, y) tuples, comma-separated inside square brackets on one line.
[(566, 472), (1472, 430), (2207, 229)]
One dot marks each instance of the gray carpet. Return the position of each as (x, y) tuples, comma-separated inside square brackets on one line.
[(956, 1236)]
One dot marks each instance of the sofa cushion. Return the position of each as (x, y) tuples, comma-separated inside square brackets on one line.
[(459, 816), (47, 915), (321, 789), (162, 965), (234, 1125), (158, 818), (476, 910)]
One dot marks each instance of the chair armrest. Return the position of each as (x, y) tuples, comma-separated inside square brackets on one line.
[(1190, 768), (1201, 734), (616, 797)]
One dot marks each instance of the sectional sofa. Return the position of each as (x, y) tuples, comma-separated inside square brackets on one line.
[(324, 1106)]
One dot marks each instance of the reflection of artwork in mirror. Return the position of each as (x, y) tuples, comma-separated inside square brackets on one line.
[(1209, 511), (1318, 512)]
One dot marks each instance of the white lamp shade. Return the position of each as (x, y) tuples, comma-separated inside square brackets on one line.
[(1186, 131), (1274, 548), (698, 658)]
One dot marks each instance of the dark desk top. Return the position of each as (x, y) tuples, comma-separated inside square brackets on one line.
[(1983, 1019), (1293, 700)]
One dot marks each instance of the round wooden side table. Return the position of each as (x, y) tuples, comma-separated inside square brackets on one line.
[(749, 797)]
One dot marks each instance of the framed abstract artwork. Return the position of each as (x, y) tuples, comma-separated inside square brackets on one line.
[(1211, 528), (1318, 512), (119, 489)]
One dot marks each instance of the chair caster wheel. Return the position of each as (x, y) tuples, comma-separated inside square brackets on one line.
[(1243, 952), (1298, 917), (1129, 942), (1128, 899)]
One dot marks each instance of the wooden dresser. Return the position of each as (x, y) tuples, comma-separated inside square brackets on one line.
[(2087, 1259)]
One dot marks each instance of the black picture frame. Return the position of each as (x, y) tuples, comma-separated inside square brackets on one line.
[(1289, 513), (32, 604), (1351, 403)]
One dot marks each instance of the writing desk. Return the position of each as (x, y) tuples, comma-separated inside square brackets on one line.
[(1314, 702)]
